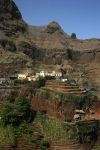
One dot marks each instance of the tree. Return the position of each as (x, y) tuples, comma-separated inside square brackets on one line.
[(45, 145), (41, 81), (15, 112), (73, 36)]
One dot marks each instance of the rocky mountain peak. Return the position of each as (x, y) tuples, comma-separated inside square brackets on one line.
[(52, 27), (11, 22), (9, 10)]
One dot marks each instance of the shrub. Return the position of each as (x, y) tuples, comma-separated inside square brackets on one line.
[(12, 136), (73, 36), (45, 145), (10, 46), (41, 81), (87, 131), (18, 81), (14, 112)]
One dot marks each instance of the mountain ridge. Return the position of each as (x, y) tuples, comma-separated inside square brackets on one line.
[(47, 45)]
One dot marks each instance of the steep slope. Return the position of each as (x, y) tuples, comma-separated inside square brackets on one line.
[(53, 37), (12, 30), (35, 42), (48, 47), (10, 19), (42, 47), (49, 37)]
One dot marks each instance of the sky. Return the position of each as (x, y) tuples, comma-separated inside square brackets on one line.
[(79, 16)]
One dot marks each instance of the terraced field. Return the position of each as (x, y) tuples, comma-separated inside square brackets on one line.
[(64, 88)]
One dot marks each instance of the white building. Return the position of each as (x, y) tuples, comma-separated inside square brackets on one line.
[(37, 75), (53, 74), (64, 79), (32, 78), (58, 74), (43, 73), (22, 76)]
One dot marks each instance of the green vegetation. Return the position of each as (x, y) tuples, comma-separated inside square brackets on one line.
[(18, 81), (80, 101), (16, 119), (56, 130), (87, 131), (8, 136), (87, 127), (15, 111), (16, 122), (96, 148), (73, 36), (32, 135), (41, 81), (45, 145)]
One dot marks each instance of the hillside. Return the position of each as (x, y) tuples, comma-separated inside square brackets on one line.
[(24, 47), (49, 41)]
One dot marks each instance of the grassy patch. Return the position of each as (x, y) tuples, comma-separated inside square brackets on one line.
[(25, 132), (96, 148), (88, 127), (79, 101), (55, 130), (7, 136)]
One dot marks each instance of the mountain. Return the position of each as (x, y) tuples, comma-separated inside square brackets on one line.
[(24, 46), (49, 40), (9, 10), (10, 19), (49, 47), (49, 37), (35, 48)]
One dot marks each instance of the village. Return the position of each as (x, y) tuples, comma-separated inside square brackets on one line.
[(57, 75), (56, 80)]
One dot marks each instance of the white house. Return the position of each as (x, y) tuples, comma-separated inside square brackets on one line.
[(58, 74), (32, 78), (53, 74), (22, 76), (64, 79), (78, 111), (37, 75), (43, 73), (79, 114), (77, 117)]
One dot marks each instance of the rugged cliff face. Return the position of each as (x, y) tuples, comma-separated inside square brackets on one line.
[(8, 8), (10, 18), (24, 46), (49, 41), (12, 28)]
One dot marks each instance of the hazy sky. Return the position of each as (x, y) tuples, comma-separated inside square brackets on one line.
[(79, 16)]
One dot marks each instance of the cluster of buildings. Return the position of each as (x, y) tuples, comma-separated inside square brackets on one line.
[(34, 76)]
